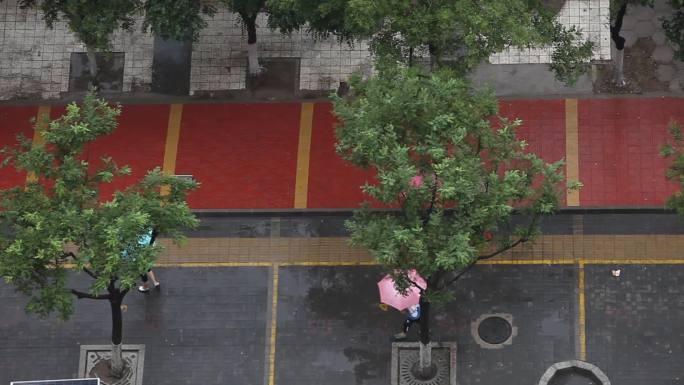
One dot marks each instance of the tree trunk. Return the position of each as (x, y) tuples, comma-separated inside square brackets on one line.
[(425, 347), (619, 45), (92, 65), (619, 67), (252, 52), (116, 363)]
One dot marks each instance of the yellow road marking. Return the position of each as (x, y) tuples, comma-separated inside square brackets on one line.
[(527, 262), (42, 120), (171, 147), (303, 156), (582, 314), (571, 149), (274, 323), (266, 263)]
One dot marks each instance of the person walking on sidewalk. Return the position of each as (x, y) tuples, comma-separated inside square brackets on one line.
[(412, 317), (149, 279)]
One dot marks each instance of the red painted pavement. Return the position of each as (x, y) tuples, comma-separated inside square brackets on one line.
[(333, 182), (543, 126), (138, 142), (244, 155), (619, 144), (14, 120)]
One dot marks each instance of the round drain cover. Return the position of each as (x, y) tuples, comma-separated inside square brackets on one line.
[(494, 330)]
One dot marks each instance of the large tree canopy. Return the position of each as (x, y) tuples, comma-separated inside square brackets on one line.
[(455, 170)]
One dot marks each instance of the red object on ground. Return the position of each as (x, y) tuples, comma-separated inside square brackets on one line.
[(244, 155)]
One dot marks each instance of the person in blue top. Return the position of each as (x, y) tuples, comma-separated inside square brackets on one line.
[(149, 279), (413, 316)]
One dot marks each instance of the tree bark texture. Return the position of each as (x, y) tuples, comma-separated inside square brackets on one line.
[(116, 363), (425, 348), (252, 52), (619, 44), (92, 64)]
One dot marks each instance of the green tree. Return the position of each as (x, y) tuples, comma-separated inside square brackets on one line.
[(674, 149), (674, 27), (61, 218), (248, 10), (176, 19), (459, 34), (674, 30), (455, 176)]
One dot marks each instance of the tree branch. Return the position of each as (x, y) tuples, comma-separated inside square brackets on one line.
[(80, 294), (88, 271), (426, 220), (522, 239)]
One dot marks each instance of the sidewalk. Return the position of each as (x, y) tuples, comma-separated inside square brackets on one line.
[(247, 155), (212, 326)]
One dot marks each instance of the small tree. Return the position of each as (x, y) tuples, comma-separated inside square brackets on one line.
[(674, 30), (455, 177), (248, 10), (176, 19), (458, 34), (59, 217), (674, 149), (93, 22)]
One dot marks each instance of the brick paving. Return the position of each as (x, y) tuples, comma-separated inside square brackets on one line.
[(245, 155)]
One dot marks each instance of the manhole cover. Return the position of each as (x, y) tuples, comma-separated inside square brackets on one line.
[(495, 330)]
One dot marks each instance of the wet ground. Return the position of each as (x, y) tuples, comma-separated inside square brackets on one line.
[(211, 326)]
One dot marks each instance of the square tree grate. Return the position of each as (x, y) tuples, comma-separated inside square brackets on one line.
[(406, 354)]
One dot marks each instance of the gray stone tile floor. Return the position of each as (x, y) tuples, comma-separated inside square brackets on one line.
[(209, 326)]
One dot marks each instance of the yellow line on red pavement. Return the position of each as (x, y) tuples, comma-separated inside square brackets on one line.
[(571, 149), (303, 156), (42, 120), (582, 321), (274, 324), (172, 138)]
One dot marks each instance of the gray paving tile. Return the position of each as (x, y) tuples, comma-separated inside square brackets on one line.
[(331, 330), (206, 326), (635, 332)]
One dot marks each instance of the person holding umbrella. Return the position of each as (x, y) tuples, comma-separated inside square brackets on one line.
[(412, 317), (403, 302)]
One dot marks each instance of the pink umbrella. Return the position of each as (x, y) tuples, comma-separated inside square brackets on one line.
[(390, 295)]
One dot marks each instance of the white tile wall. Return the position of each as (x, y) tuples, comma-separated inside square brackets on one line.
[(219, 58), (592, 17), (34, 59)]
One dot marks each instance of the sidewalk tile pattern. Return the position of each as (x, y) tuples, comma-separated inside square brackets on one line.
[(619, 145), (544, 250), (245, 155), (634, 323)]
